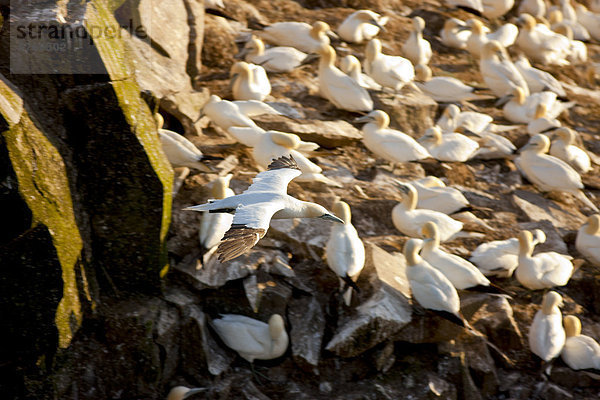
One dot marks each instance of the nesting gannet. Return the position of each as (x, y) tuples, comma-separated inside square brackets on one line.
[(340, 89), (351, 67), (505, 35), (473, 122), (299, 35), (345, 251), (455, 33), (564, 148), (181, 152), (361, 26), (429, 287), (589, 20), (448, 146), (501, 257), (493, 9), (549, 173), (498, 71), (556, 20), (538, 80), (588, 239), (472, 6), (535, 8), (266, 198), (417, 49), (567, 10), (461, 273), (389, 71), (580, 351), (523, 109), (546, 334), (253, 339), (225, 113), (433, 194), (182, 392), (543, 270), (444, 88), (409, 220), (540, 44), (274, 59), (214, 225), (577, 49), (275, 144), (249, 82), (541, 123), (492, 146), (390, 144)]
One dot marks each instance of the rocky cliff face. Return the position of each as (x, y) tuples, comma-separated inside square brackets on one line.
[(103, 291)]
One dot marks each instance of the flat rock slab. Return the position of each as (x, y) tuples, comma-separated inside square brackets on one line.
[(538, 208)]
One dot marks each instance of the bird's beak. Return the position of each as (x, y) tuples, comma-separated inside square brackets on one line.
[(364, 118), (503, 100), (374, 22), (331, 217), (192, 392), (403, 188), (332, 35)]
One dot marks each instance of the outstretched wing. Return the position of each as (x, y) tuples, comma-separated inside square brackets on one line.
[(277, 176)]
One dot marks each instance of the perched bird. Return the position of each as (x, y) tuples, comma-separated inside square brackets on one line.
[(344, 250), (448, 146), (564, 148), (340, 89), (266, 198), (588, 239), (493, 9), (472, 6), (549, 173), (361, 26), (274, 59), (501, 257), (455, 33), (499, 73), (505, 35), (351, 67), (299, 35), (546, 334), (225, 113), (461, 273), (409, 220), (589, 20), (444, 88), (249, 82), (535, 8), (388, 71), (434, 195), (181, 152), (577, 49), (578, 31), (417, 49), (540, 44), (214, 226), (543, 270), (253, 339), (580, 351), (492, 146), (182, 392), (430, 288), (523, 109), (389, 144), (541, 122), (538, 80)]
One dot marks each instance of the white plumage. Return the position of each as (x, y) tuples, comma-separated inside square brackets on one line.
[(538, 80), (361, 26), (546, 334), (274, 59), (225, 113), (351, 67), (434, 195), (455, 33), (523, 109), (444, 88), (388, 71), (505, 35), (564, 148), (299, 35), (417, 49), (179, 151), (498, 71), (580, 351), (214, 225), (448, 146), (540, 44), (588, 239), (249, 82)]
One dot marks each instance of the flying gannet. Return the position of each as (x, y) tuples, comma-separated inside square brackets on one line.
[(361, 26), (546, 334), (580, 351), (588, 239), (266, 198)]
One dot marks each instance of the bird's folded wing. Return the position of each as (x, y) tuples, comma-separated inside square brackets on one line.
[(179, 139), (237, 337), (249, 225), (253, 108), (276, 178)]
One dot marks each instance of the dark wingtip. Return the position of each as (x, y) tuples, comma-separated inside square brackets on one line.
[(451, 317), (470, 10), (219, 13), (349, 282), (283, 162), (213, 158)]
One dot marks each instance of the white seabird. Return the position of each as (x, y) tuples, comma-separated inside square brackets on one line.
[(274, 59), (299, 35), (430, 288), (564, 148), (344, 250), (434, 195), (505, 35), (588, 239), (538, 80), (249, 82), (541, 123), (214, 225), (181, 152), (501, 257), (448, 146), (360, 26), (266, 198), (182, 392), (546, 334), (389, 144), (577, 49), (523, 109), (388, 71), (225, 113), (461, 273), (557, 20), (493, 9), (472, 6), (417, 49), (549, 173), (535, 8), (540, 44), (580, 351), (340, 89), (589, 20), (409, 220), (444, 88), (543, 270), (498, 71), (455, 33), (253, 339), (351, 67)]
